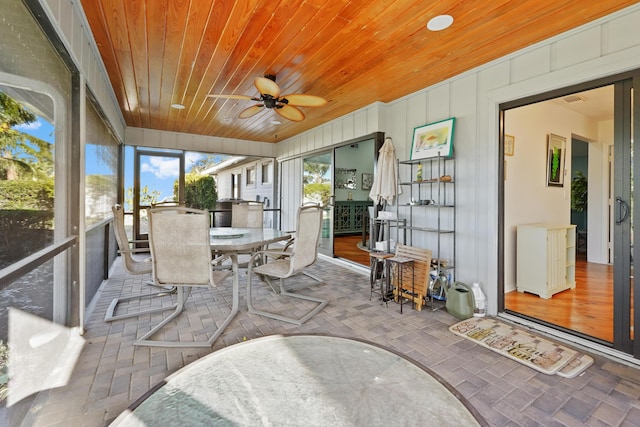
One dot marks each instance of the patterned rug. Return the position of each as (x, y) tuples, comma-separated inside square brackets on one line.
[(517, 344)]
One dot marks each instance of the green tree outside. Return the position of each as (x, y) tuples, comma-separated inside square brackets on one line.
[(147, 197), (21, 155), (314, 172), (200, 191)]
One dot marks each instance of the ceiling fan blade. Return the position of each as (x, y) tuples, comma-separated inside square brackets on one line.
[(291, 113), (301, 100), (267, 87), (212, 95), (251, 111)]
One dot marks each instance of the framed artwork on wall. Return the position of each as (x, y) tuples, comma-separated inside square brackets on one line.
[(509, 144), (367, 181), (556, 150), (345, 178), (432, 140)]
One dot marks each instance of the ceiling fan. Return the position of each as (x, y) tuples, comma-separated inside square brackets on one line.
[(285, 105)]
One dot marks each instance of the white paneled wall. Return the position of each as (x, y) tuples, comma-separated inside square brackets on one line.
[(290, 191), (604, 47), (163, 139), (360, 123)]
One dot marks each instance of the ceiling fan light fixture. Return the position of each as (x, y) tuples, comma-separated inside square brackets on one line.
[(440, 22), (286, 106)]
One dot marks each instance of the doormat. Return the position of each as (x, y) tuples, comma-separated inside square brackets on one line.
[(517, 344)]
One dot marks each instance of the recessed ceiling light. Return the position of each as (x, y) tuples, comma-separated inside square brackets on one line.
[(177, 106), (276, 122), (440, 22)]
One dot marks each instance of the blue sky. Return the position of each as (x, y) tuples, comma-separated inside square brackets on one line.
[(158, 173), (42, 129)]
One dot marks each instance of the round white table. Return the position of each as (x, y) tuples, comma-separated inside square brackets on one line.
[(300, 380)]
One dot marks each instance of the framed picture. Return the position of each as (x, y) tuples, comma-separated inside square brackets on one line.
[(367, 181), (556, 150), (509, 143), (433, 139), (345, 178)]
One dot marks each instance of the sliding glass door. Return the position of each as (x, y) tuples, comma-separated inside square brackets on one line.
[(626, 148), (317, 187), (595, 193)]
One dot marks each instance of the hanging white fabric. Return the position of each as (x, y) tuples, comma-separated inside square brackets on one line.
[(385, 181)]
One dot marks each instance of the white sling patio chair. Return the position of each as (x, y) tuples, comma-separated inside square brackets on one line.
[(181, 257), (132, 265), (290, 262), (247, 215)]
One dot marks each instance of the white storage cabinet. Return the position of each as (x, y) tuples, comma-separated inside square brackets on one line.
[(546, 258)]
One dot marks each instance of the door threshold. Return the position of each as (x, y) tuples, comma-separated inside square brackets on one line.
[(570, 339)]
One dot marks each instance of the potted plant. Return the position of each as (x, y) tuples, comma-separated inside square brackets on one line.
[(579, 188)]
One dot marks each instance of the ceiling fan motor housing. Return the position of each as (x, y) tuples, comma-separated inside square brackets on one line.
[(269, 101)]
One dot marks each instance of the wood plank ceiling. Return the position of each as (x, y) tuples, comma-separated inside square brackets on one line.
[(353, 53)]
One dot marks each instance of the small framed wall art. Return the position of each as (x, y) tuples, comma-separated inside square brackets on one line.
[(367, 181), (556, 147), (432, 140), (509, 144)]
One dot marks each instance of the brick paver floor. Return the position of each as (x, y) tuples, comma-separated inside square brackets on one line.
[(111, 373)]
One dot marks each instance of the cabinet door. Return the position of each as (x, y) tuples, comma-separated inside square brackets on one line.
[(556, 259), (359, 216), (342, 218)]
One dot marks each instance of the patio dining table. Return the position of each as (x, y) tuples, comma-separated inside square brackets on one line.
[(234, 240), (231, 240)]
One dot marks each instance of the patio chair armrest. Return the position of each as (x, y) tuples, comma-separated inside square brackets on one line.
[(133, 251), (139, 241), (275, 254), (220, 259)]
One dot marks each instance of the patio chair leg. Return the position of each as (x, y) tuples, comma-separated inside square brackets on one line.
[(267, 279), (309, 275), (312, 276), (321, 304), (166, 288), (183, 295), (144, 340), (110, 316)]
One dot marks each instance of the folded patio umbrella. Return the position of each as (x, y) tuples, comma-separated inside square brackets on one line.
[(385, 186)]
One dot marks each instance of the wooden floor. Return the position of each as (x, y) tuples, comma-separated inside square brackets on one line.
[(346, 247), (587, 309)]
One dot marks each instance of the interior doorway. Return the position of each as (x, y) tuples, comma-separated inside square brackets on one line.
[(592, 123), (340, 180), (579, 193)]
